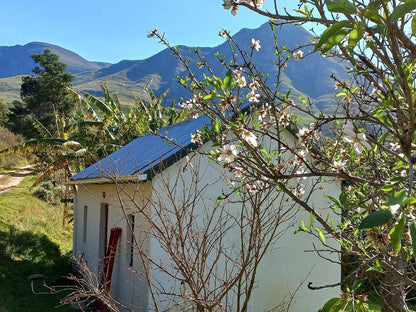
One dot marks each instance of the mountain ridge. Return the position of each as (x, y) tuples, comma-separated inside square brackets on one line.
[(307, 77)]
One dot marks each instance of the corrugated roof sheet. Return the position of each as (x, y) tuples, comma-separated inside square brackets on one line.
[(143, 154)]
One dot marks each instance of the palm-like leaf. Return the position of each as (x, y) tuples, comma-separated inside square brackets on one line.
[(41, 128)]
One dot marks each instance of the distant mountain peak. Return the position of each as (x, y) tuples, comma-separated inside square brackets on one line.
[(16, 60), (308, 77)]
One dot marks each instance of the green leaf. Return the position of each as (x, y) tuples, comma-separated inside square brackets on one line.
[(321, 234), (355, 35), (383, 137), (302, 227), (333, 199), (414, 25), (387, 188), (330, 304), (343, 199), (228, 79), (376, 218), (402, 10), (379, 29), (311, 217), (41, 128), (396, 234), (373, 6), (371, 13), (331, 32), (341, 6), (211, 96), (396, 199), (216, 126), (413, 236), (334, 40), (410, 201), (380, 115), (303, 12)]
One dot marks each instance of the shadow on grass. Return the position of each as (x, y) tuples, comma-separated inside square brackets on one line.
[(23, 254)]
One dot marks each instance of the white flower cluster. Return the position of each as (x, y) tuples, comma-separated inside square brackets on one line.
[(359, 139), (196, 138), (298, 55), (189, 104), (255, 44), (223, 33), (241, 82), (255, 186), (263, 111), (228, 4), (228, 153), (248, 136)]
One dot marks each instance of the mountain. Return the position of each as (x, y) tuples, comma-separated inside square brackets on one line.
[(16, 60), (309, 77)]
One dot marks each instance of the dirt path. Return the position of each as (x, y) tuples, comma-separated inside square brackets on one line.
[(13, 178)]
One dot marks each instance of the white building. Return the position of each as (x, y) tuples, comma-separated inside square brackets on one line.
[(124, 188)]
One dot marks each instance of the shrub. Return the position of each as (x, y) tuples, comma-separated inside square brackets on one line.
[(47, 192), (43, 194), (10, 161)]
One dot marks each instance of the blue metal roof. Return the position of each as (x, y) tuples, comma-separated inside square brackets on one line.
[(145, 153)]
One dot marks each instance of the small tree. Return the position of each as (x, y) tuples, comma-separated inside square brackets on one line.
[(372, 145), (46, 94)]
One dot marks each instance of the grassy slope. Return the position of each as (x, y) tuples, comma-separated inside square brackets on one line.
[(10, 89), (32, 241), (118, 83)]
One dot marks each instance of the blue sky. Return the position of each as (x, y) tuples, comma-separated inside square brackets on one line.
[(111, 31)]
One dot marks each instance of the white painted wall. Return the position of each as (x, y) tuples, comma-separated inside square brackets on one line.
[(281, 272), (127, 287), (286, 267)]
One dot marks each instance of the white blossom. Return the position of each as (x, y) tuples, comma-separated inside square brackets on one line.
[(223, 33), (394, 146), (241, 81), (238, 172), (339, 165), (255, 44), (367, 37), (284, 119), (298, 55), (195, 138), (358, 138), (254, 85), (253, 97), (228, 153), (237, 72), (194, 115), (255, 186), (299, 190), (255, 3), (248, 136)]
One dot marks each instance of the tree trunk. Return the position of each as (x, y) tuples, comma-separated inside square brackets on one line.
[(393, 295)]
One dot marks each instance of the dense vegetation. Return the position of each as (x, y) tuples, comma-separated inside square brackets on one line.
[(62, 132), (68, 131)]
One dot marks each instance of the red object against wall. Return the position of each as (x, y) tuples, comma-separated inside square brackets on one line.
[(105, 282)]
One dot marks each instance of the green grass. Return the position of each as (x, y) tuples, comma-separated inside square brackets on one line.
[(32, 241)]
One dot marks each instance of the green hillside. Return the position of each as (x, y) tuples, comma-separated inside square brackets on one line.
[(10, 88)]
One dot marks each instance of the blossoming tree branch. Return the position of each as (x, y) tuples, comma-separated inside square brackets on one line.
[(367, 143)]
